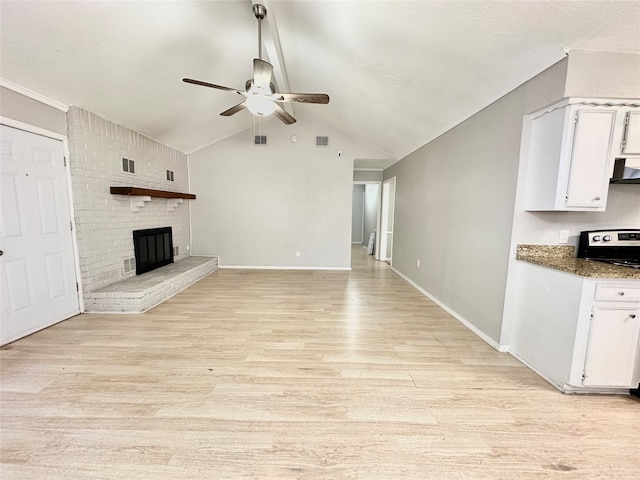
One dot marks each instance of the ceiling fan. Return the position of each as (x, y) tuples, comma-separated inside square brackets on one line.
[(260, 94)]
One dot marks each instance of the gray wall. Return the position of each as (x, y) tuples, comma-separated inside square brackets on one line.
[(367, 175), (371, 204), (258, 205), (24, 109), (357, 214), (455, 200)]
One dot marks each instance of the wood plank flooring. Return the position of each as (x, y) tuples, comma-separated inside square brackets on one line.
[(296, 375)]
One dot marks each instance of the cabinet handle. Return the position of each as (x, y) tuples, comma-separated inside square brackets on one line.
[(621, 293), (597, 198), (633, 315)]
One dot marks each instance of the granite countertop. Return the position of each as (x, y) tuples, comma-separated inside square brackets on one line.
[(560, 257)]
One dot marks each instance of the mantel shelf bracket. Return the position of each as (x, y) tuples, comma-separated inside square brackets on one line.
[(138, 202), (172, 203)]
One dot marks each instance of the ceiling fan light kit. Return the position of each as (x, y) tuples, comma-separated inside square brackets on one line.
[(261, 98), (260, 106)]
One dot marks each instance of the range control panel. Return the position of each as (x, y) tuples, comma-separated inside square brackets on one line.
[(615, 238)]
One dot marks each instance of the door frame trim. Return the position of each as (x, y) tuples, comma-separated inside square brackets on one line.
[(10, 122)]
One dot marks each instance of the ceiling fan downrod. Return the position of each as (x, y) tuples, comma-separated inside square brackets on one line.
[(260, 11)]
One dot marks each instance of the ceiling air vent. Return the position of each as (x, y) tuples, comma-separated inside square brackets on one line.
[(322, 141), (260, 139)]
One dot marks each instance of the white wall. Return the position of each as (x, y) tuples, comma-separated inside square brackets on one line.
[(603, 74), (258, 205), (105, 222), (357, 214)]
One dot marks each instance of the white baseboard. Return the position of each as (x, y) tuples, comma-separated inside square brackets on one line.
[(454, 314), (267, 267)]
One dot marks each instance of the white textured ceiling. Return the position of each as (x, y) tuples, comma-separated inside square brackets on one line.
[(399, 73)]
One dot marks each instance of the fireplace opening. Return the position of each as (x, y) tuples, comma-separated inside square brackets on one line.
[(153, 248)]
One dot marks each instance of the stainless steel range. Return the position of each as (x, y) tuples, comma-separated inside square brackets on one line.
[(618, 247)]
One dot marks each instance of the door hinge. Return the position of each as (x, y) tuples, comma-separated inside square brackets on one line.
[(575, 118), (70, 225), (584, 375), (65, 161), (626, 118), (77, 287)]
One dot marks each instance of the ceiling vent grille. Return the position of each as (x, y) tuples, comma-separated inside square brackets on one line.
[(322, 141), (260, 140)]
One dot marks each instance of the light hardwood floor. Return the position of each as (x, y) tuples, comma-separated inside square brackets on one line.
[(294, 374)]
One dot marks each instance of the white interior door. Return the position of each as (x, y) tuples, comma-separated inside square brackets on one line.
[(386, 222), (37, 266)]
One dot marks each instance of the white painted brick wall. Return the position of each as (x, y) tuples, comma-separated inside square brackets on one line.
[(105, 222)]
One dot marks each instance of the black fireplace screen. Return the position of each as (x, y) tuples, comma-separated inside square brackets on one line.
[(153, 248)]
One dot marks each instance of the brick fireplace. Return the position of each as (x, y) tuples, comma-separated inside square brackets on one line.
[(104, 155)]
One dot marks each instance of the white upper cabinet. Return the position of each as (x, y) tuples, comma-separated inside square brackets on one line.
[(569, 157), (631, 139)]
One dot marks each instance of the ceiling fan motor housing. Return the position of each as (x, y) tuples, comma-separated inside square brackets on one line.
[(260, 11), (249, 85)]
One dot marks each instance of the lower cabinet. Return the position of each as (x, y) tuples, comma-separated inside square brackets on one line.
[(612, 347), (581, 334)]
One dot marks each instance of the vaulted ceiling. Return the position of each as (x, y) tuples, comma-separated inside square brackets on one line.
[(399, 73)]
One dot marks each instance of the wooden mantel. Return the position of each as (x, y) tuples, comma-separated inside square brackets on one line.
[(150, 192)]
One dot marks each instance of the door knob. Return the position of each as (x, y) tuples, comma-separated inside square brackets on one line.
[(1, 253)]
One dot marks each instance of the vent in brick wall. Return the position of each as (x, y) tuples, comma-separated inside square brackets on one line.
[(322, 141), (128, 165), (260, 139), (176, 251), (129, 265), (170, 175)]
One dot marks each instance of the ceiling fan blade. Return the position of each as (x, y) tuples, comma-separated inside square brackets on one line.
[(211, 85), (283, 115), (233, 110), (302, 97), (262, 73)]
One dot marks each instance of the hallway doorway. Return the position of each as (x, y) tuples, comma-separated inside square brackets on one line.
[(365, 215)]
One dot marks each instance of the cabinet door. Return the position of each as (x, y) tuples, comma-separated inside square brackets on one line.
[(631, 141), (612, 347), (590, 158)]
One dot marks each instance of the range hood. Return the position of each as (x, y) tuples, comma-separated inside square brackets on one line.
[(626, 170)]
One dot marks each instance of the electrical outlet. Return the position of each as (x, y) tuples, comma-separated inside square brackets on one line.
[(418, 263), (297, 254)]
